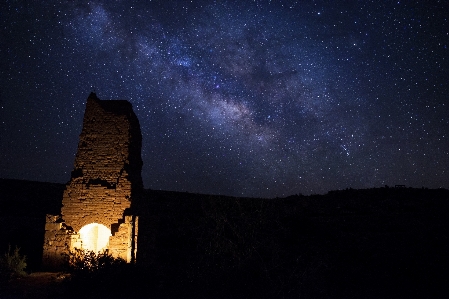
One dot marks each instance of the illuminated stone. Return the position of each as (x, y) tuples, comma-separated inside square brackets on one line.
[(105, 179)]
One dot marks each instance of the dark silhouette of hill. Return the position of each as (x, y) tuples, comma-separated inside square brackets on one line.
[(385, 242), (23, 206), (370, 243)]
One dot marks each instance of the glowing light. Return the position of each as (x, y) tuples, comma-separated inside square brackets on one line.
[(95, 237)]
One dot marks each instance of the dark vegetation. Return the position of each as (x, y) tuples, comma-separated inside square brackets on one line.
[(99, 273), (371, 243), (12, 264)]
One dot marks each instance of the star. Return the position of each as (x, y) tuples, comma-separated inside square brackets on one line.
[(245, 99)]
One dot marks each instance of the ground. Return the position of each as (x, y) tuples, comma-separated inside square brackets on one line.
[(34, 285)]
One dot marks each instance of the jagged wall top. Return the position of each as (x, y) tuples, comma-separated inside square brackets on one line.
[(110, 143), (108, 164)]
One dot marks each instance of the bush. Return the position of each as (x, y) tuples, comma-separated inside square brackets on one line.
[(85, 262), (12, 264), (94, 273)]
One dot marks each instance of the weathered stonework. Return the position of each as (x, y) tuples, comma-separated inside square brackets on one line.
[(105, 179)]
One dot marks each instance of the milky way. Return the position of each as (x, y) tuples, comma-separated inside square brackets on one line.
[(256, 99)]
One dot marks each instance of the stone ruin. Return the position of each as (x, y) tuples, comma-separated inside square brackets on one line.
[(96, 209)]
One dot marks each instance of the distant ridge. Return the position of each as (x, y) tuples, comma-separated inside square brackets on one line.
[(385, 242), (48, 193)]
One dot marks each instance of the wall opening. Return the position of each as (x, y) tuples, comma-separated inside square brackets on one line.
[(95, 237)]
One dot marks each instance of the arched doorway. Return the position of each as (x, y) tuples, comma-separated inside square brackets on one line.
[(95, 237)]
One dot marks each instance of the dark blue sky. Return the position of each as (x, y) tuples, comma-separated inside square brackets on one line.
[(248, 99)]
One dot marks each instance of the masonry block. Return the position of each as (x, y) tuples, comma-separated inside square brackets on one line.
[(105, 179)]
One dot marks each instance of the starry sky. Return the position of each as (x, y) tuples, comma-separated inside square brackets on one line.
[(241, 98)]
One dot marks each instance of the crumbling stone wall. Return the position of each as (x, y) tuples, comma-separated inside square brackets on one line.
[(105, 179)]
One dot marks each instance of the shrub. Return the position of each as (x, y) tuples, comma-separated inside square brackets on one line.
[(12, 264), (85, 262), (95, 273)]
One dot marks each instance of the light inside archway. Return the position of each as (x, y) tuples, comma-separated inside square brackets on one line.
[(95, 237)]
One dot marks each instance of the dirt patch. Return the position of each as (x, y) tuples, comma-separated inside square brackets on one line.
[(35, 285)]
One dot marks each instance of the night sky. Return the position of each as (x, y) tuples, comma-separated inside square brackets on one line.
[(242, 98)]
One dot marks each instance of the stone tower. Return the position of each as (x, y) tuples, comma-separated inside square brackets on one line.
[(96, 205)]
